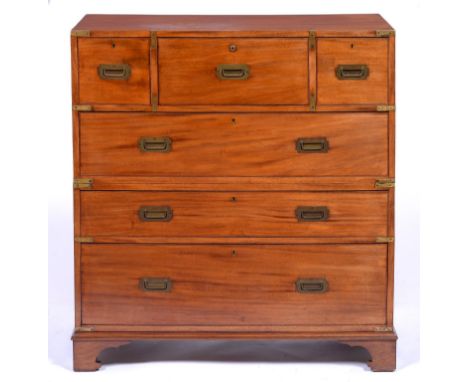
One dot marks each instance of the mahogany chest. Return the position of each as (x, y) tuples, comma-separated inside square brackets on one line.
[(233, 179)]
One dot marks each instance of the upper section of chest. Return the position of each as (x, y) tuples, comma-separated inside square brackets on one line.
[(249, 63)]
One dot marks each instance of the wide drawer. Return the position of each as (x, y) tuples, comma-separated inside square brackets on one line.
[(233, 71), (113, 71), (225, 285), (144, 144), (132, 214)]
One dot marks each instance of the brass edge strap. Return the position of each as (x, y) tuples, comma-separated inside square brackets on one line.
[(384, 239), (82, 183), (84, 239), (383, 329), (82, 108), (154, 102), (385, 108), (154, 40), (312, 102), (81, 33), (84, 329), (384, 183), (384, 33), (312, 39)]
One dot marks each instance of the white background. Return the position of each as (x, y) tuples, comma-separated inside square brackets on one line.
[(36, 163)]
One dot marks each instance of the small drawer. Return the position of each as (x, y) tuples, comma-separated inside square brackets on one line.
[(352, 71), (270, 144), (135, 215), (114, 71), (211, 285), (233, 71)]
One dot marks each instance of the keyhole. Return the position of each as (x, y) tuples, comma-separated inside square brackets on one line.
[(233, 199), (232, 48), (233, 120), (352, 46), (233, 253), (113, 44)]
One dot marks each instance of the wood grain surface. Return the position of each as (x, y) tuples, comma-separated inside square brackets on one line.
[(131, 51), (234, 144), (372, 52), (245, 25), (258, 214), (212, 285), (278, 71), (233, 179)]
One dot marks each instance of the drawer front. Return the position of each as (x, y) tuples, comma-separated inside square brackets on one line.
[(352, 71), (143, 144), (114, 71), (133, 214), (234, 71), (254, 285)]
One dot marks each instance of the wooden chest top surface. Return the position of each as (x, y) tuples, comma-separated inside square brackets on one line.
[(358, 24)]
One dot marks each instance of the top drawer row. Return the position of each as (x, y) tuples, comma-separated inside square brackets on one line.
[(190, 74)]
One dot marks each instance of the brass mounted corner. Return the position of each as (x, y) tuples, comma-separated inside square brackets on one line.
[(384, 32), (84, 329), (81, 33), (84, 239), (312, 39), (384, 239), (384, 183), (154, 40), (82, 108), (312, 102), (383, 329), (385, 108), (154, 102), (82, 183)]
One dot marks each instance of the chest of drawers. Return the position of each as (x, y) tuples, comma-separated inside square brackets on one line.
[(234, 179)]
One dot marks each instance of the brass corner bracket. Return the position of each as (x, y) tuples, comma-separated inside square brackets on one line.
[(154, 40), (82, 108), (82, 183), (384, 183), (84, 239), (385, 107), (84, 329), (384, 32), (312, 102), (81, 33), (384, 239), (312, 39), (383, 329), (154, 102)]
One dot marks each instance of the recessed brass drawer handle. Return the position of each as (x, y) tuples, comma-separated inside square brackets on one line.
[(114, 71), (233, 71), (155, 144), (312, 145), (352, 72), (155, 284), (312, 214), (155, 213), (311, 285)]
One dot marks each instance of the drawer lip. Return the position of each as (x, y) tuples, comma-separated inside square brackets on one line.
[(199, 290)]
